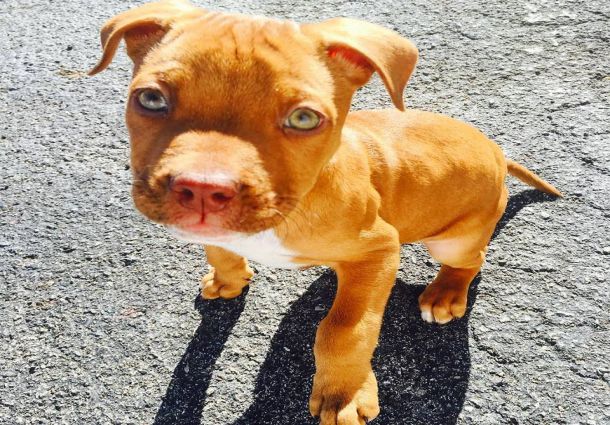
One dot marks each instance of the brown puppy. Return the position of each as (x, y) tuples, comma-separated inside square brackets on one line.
[(241, 140)]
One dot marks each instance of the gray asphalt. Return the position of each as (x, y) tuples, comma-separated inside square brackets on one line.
[(99, 317)]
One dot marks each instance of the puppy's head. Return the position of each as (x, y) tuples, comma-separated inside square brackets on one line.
[(232, 118)]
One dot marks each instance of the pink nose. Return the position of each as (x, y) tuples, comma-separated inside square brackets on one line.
[(201, 196)]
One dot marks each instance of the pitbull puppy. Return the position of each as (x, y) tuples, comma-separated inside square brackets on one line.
[(241, 141)]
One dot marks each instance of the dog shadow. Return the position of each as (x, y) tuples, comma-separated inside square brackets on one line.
[(185, 394), (422, 369)]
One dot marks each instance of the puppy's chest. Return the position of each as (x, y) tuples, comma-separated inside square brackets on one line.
[(263, 247)]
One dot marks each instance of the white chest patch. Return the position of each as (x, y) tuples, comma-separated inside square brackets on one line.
[(263, 247)]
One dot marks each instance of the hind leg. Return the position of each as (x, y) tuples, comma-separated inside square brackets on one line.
[(446, 297), (461, 251)]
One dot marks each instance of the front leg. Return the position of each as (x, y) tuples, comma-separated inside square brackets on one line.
[(344, 387), (228, 275)]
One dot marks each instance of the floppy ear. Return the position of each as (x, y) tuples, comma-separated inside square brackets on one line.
[(142, 28), (360, 48)]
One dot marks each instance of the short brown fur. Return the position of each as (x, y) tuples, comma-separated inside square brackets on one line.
[(344, 195)]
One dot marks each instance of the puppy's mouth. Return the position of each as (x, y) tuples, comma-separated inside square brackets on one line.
[(210, 213), (201, 233)]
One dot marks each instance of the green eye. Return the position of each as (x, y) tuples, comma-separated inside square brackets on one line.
[(152, 100), (303, 119)]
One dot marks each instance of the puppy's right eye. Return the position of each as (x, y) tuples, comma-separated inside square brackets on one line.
[(152, 100)]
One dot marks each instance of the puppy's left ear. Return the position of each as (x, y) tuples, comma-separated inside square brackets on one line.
[(356, 49), (141, 28)]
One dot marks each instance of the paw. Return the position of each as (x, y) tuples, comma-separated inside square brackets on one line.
[(213, 287), (440, 303), (344, 404)]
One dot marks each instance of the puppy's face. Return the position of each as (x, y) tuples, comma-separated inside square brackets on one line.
[(230, 121), (232, 118)]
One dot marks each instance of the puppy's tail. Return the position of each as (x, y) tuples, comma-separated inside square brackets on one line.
[(529, 178)]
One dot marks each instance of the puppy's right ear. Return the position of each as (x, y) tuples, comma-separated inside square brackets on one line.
[(142, 28)]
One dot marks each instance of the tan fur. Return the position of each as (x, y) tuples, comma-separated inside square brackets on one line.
[(344, 195)]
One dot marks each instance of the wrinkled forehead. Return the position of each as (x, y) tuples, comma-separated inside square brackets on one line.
[(241, 33), (238, 55)]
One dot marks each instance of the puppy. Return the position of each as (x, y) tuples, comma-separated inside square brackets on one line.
[(241, 141)]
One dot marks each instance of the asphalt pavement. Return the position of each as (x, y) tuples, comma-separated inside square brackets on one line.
[(99, 317)]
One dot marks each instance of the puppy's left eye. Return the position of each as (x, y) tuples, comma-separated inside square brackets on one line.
[(152, 100), (303, 119)]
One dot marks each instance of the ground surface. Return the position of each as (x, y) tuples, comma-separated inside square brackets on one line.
[(98, 323)]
